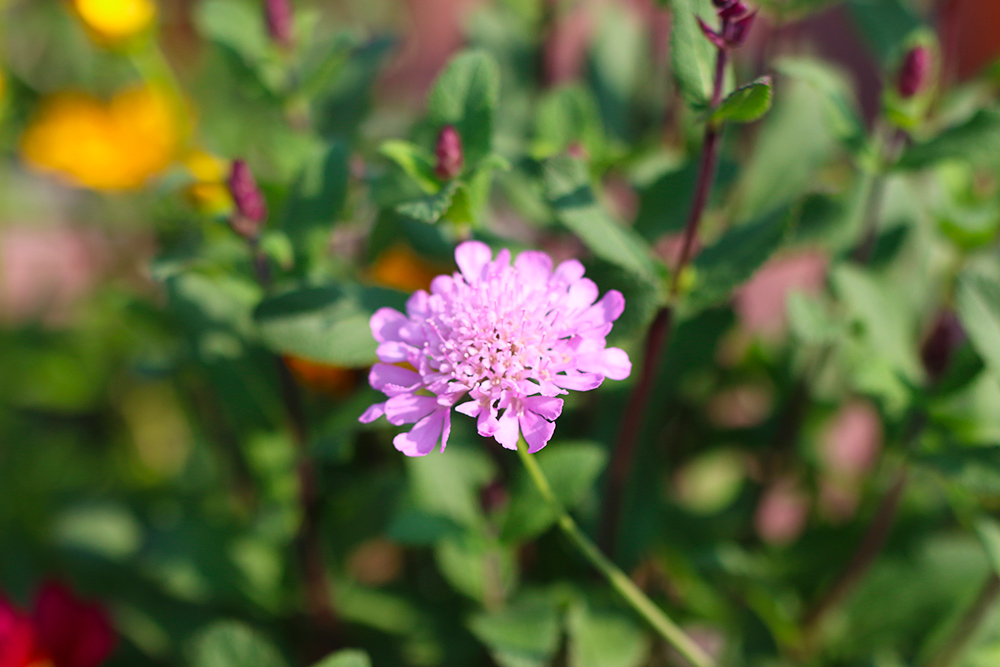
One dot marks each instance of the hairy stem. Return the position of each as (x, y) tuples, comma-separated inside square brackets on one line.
[(967, 627), (661, 328), (625, 587)]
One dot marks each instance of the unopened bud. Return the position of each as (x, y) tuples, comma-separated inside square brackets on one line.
[(736, 32), (250, 207), (448, 152), (711, 35), (278, 15), (734, 10), (940, 346), (915, 71)]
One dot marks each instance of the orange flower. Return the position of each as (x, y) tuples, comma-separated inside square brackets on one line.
[(323, 378), (209, 192), (115, 20), (403, 269), (113, 146)]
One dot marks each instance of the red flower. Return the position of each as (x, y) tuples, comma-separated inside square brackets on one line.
[(64, 632)]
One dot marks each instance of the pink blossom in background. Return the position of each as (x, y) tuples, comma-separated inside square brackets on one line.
[(782, 512), (46, 270), (853, 440), (509, 337), (761, 303)]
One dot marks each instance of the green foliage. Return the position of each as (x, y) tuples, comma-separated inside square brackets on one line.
[(465, 95), (524, 634), (326, 324), (747, 103), (233, 644), (348, 658), (978, 304), (976, 140), (692, 56)]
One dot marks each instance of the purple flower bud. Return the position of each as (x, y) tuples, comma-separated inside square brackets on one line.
[(939, 347), (279, 21), (915, 71), (736, 32), (734, 10), (712, 36), (449, 153), (251, 209)]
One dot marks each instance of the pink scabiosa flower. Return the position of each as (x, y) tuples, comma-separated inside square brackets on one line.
[(507, 338)]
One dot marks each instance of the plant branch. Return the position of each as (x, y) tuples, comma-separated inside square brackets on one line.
[(625, 587), (661, 327)]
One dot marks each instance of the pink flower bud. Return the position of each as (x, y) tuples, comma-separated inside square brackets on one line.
[(736, 32), (278, 14), (939, 347), (449, 153), (251, 209), (914, 72), (734, 10)]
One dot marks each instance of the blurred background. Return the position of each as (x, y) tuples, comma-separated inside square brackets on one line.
[(145, 461)]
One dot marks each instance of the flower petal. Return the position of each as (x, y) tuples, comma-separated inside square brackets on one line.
[(393, 380), (507, 431), (385, 324), (578, 381), (422, 438), (534, 267), (537, 430), (546, 406), (471, 257), (408, 408), (372, 413)]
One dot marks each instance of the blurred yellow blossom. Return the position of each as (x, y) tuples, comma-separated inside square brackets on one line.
[(401, 268), (116, 20), (209, 192), (105, 146)]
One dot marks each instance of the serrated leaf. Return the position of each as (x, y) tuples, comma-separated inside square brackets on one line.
[(691, 54), (465, 95), (568, 189), (976, 140), (747, 103), (348, 658), (724, 266), (325, 324), (572, 470), (233, 644), (431, 208), (978, 305)]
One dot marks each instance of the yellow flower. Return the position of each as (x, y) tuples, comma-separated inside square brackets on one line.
[(113, 146), (116, 20), (209, 192)]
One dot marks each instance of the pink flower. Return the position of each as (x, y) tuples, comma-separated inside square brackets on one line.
[(510, 338)]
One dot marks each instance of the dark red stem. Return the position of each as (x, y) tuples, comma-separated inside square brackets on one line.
[(623, 454)]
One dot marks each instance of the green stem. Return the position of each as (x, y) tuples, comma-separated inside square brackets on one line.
[(639, 601)]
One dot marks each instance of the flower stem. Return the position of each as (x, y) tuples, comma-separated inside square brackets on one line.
[(966, 628), (632, 594), (662, 326)]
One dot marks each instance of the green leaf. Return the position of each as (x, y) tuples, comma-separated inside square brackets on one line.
[(566, 115), (417, 527), (978, 305), (523, 634), (465, 95), (348, 658), (976, 469), (976, 140), (747, 103), (604, 639), (416, 162), (235, 25), (431, 208), (835, 93), (724, 266), (317, 196), (477, 566), (448, 486), (692, 55), (346, 104), (568, 190), (325, 324), (233, 644), (885, 24), (572, 469)]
